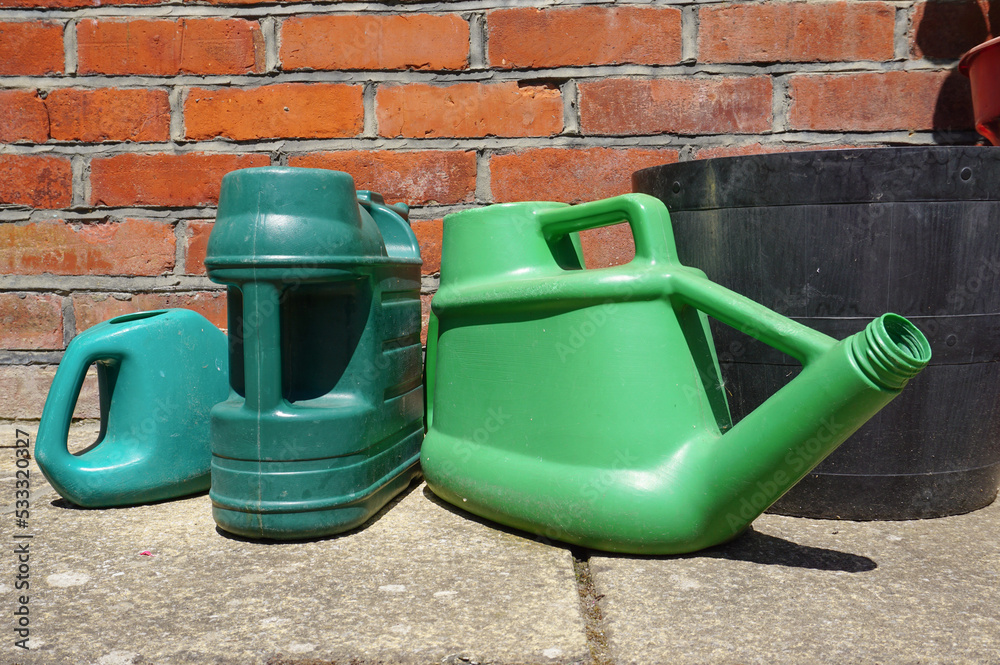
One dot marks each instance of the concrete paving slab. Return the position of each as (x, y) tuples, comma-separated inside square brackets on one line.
[(813, 591), (422, 583)]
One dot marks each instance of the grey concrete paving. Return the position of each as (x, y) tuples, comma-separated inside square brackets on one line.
[(421, 584), (814, 591), (427, 584)]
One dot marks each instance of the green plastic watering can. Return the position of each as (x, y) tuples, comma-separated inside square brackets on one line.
[(159, 374), (324, 418), (586, 405)]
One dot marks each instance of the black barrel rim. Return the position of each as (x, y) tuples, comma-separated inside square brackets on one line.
[(862, 175)]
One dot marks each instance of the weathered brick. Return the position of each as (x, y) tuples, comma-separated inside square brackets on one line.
[(91, 309), (197, 246), (30, 321), (23, 389), (429, 236), (189, 179), (417, 178), (23, 117), (166, 48), (796, 32), (570, 175), (31, 48), (36, 180), (880, 101), (108, 114), (763, 149), (607, 246), (420, 110), (561, 37), (946, 30), (132, 247), (289, 110), (413, 41), (721, 105)]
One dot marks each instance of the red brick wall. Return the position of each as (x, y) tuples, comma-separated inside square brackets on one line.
[(119, 118)]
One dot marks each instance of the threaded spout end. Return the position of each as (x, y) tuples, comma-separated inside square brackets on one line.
[(890, 351)]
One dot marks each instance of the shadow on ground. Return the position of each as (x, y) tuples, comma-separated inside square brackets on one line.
[(757, 547), (753, 546)]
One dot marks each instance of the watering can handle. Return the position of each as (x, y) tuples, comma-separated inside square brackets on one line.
[(654, 243), (749, 317), (646, 216), (53, 430)]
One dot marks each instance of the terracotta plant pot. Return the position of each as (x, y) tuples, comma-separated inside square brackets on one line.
[(982, 66)]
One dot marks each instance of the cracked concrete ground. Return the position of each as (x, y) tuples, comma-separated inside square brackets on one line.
[(814, 591), (427, 583)]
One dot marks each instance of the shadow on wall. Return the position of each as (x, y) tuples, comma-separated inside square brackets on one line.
[(947, 30)]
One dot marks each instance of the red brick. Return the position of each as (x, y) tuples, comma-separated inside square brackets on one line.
[(763, 149), (721, 105), (529, 37), (197, 246), (881, 101), (570, 175), (166, 48), (417, 178), (607, 246), (23, 389), (946, 30), (23, 117), (419, 110), (429, 236), (30, 321), (289, 110), (31, 49), (36, 180), (190, 179), (91, 309), (132, 247), (796, 32), (414, 41), (108, 114)]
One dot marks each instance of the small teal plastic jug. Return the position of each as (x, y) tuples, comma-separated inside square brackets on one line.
[(159, 374), (325, 416)]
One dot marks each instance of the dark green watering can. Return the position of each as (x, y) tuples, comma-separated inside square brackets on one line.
[(159, 375), (323, 423), (586, 405)]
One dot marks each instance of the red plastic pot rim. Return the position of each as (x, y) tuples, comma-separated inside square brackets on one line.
[(966, 62)]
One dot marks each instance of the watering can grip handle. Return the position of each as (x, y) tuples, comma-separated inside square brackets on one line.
[(646, 216), (53, 430)]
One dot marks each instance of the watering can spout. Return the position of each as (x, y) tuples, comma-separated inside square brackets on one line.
[(839, 390)]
